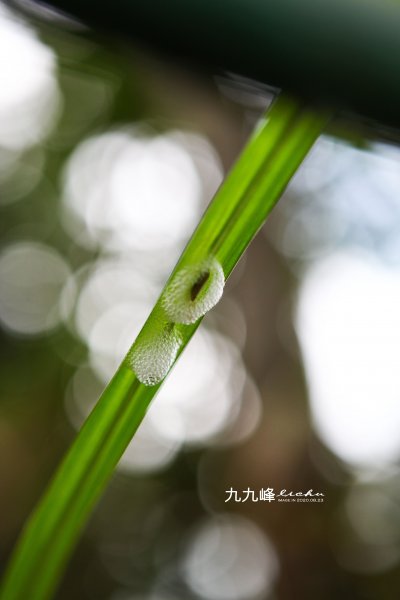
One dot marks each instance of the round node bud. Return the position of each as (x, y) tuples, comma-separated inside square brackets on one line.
[(194, 291)]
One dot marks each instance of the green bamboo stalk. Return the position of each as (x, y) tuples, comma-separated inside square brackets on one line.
[(240, 207)]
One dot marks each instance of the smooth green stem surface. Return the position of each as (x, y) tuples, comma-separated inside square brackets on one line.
[(240, 207)]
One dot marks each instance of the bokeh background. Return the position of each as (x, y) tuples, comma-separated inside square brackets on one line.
[(108, 157)]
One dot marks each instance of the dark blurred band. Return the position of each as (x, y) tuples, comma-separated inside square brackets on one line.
[(342, 52)]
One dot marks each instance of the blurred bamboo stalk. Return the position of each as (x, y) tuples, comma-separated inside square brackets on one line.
[(344, 53)]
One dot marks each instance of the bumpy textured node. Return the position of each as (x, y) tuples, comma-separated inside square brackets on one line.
[(194, 291), (153, 355)]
